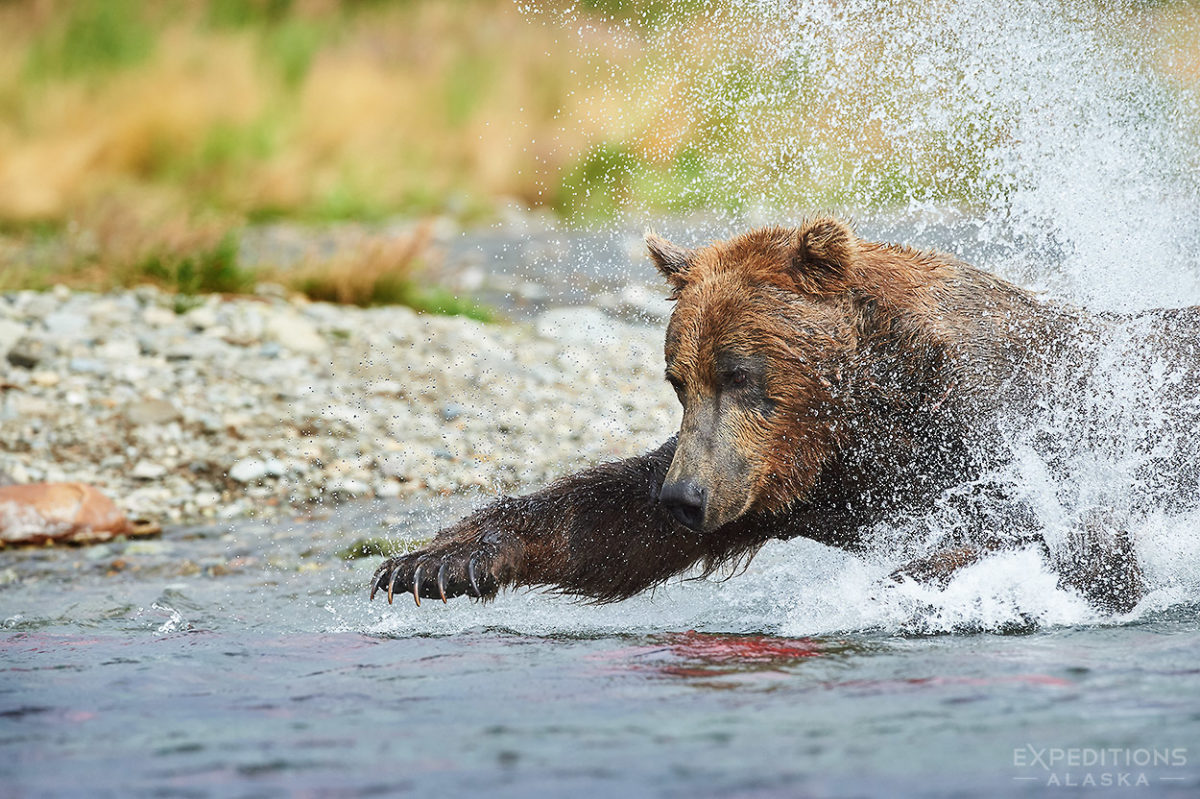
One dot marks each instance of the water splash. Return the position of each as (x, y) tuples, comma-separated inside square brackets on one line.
[(1062, 129), (175, 621), (1053, 137)]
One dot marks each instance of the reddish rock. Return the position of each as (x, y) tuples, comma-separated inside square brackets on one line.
[(74, 513)]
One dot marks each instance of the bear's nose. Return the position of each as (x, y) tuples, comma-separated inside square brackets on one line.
[(685, 500)]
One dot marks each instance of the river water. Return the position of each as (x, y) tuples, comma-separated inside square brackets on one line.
[(246, 661)]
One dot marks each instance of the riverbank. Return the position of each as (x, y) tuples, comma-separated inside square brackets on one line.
[(269, 404)]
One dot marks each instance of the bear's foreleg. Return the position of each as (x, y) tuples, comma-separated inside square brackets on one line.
[(1101, 564), (940, 567), (600, 533)]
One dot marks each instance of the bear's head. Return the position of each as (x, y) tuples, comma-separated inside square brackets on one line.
[(761, 338)]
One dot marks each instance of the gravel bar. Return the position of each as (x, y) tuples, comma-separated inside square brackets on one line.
[(268, 404)]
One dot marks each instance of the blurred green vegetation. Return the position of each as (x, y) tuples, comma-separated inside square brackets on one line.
[(90, 37), (122, 117)]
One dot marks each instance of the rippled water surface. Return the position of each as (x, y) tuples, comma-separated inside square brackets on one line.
[(247, 662)]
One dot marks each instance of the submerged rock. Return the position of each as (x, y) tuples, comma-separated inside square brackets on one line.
[(38, 513)]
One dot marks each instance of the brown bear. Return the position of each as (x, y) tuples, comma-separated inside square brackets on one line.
[(829, 385)]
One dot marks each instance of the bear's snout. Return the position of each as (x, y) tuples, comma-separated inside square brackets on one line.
[(685, 500)]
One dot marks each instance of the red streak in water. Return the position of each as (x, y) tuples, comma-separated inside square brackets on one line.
[(694, 654), (739, 648)]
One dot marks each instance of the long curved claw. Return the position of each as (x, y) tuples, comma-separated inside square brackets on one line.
[(441, 580), (375, 582), (392, 584), (471, 576), (416, 585)]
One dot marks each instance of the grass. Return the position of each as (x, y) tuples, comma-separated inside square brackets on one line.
[(91, 38), (308, 111), (379, 547), (205, 270), (115, 246), (382, 271)]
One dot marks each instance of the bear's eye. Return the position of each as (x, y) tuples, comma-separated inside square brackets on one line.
[(737, 377), (676, 384)]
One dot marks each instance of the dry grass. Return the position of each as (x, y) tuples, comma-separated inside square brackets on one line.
[(379, 270), (116, 245), (324, 113), (113, 243), (363, 275)]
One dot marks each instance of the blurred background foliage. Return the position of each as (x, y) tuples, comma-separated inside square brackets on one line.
[(147, 132)]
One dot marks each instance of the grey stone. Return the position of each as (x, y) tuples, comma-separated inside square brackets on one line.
[(29, 352), (89, 366), (248, 470), (66, 324), (98, 552), (145, 548), (157, 316), (199, 348), (201, 318), (10, 333), (151, 411), (148, 470), (292, 331), (120, 350), (578, 326), (349, 486)]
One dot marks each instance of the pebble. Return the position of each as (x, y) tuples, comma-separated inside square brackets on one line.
[(88, 366), (588, 326), (201, 318), (451, 411), (348, 485), (144, 548), (248, 470), (10, 333), (292, 331), (46, 379), (65, 324), (147, 470), (156, 316), (151, 412), (28, 352)]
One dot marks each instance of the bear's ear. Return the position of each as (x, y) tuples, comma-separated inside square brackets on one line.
[(825, 249), (671, 259)]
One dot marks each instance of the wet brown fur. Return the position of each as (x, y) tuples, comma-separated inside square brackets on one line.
[(884, 368)]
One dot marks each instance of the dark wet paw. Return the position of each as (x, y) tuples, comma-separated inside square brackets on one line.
[(436, 574), (938, 568)]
